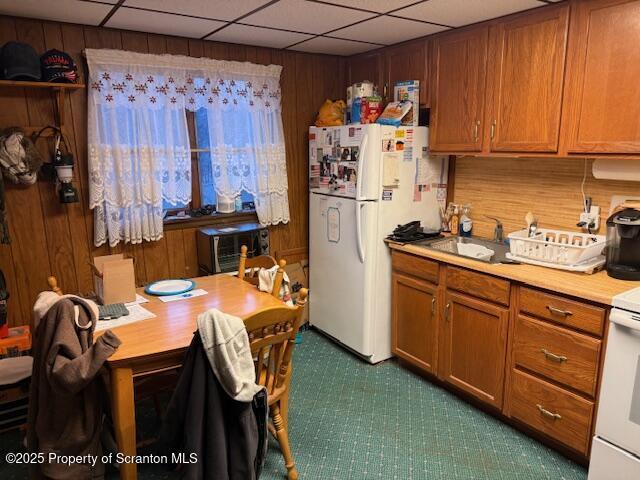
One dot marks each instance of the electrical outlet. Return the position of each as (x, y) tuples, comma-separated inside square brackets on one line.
[(590, 220)]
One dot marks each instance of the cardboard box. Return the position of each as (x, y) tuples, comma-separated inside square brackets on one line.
[(298, 278), (408, 90), (114, 279)]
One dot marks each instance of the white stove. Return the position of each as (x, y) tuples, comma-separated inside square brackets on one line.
[(615, 452), (629, 301)]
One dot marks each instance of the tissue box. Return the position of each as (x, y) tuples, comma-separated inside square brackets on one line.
[(114, 279)]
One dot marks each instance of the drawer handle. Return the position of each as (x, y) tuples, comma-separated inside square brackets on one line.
[(558, 311), (553, 356), (433, 306), (446, 311), (547, 413)]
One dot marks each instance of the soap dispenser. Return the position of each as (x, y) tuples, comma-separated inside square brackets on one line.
[(466, 224)]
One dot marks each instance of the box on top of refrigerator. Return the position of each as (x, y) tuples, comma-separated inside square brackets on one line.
[(408, 90)]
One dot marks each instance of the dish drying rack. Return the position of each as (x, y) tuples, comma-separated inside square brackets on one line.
[(581, 252)]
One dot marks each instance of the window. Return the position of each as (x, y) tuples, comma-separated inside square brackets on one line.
[(203, 185), (165, 133)]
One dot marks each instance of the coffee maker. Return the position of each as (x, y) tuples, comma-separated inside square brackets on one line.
[(623, 244)]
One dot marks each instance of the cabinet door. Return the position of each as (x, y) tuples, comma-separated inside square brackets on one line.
[(407, 62), (458, 91), (414, 334), (366, 67), (474, 346), (526, 74), (602, 113)]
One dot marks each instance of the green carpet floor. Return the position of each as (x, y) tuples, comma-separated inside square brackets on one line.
[(353, 421)]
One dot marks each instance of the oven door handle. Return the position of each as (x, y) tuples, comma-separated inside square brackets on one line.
[(625, 320)]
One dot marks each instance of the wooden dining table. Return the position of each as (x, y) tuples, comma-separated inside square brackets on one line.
[(158, 344)]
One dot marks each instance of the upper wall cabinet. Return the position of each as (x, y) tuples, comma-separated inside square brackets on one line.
[(368, 66), (458, 90), (407, 62), (602, 106), (524, 86)]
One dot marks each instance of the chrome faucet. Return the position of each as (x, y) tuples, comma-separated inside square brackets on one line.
[(498, 232)]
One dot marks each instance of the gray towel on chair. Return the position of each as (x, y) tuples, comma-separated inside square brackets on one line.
[(226, 343)]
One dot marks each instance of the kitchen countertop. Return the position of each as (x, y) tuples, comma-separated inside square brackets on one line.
[(598, 287)]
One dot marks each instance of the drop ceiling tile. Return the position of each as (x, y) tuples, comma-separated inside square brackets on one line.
[(387, 30), (72, 11), (165, 23), (457, 13), (265, 37), (380, 6), (302, 16), (333, 46), (218, 9)]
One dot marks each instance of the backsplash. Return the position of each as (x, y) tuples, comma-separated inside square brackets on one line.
[(508, 188)]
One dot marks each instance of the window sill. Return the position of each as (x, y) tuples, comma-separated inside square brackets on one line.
[(213, 219)]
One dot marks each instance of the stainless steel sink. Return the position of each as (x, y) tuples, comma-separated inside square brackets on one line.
[(450, 245)]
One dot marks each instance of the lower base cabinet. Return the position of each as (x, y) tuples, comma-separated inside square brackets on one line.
[(473, 347), (558, 413), (414, 326), (455, 323)]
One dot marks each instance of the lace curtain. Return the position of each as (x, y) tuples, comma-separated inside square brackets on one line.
[(138, 140)]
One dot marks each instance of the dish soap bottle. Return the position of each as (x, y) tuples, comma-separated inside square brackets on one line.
[(466, 224), (454, 222)]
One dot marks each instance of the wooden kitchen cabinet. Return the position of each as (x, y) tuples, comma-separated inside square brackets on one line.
[(602, 98), (367, 67), (458, 91), (414, 321), (407, 62), (473, 346), (558, 413), (525, 80), (535, 355), (557, 353)]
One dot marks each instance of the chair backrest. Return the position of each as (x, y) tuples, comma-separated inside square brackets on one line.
[(254, 264), (272, 333)]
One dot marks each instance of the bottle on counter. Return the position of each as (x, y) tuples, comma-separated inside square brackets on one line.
[(455, 220), (466, 224)]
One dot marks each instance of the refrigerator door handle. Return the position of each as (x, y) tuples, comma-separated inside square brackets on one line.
[(361, 160), (359, 232)]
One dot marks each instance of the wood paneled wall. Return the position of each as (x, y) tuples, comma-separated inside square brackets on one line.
[(49, 238), (508, 188)]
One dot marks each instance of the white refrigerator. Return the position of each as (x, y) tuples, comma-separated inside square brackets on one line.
[(364, 180)]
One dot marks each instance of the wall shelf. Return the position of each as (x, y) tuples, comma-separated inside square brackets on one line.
[(51, 85), (58, 89)]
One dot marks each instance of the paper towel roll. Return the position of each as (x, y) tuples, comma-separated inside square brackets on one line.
[(628, 170)]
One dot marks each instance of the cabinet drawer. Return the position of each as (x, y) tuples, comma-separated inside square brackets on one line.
[(416, 266), (562, 310), (560, 414), (557, 353), (478, 285)]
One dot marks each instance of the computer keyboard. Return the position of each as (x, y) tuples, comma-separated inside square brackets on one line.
[(112, 311)]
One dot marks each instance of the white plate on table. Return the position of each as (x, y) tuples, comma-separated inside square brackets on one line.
[(169, 287)]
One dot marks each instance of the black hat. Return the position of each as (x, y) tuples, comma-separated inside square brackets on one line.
[(19, 61), (58, 66)]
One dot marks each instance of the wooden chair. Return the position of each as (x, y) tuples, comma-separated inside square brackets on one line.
[(254, 265), (53, 285), (272, 333), (146, 387)]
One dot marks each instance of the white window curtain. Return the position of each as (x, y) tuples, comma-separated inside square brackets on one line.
[(139, 146)]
